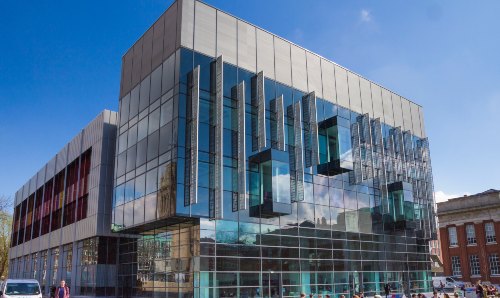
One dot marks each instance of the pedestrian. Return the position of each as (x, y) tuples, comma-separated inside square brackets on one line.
[(311, 295), (342, 296), (62, 291), (387, 289), (456, 295), (302, 295), (441, 286), (361, 294), (435, 294), (413, 295), (446, 295), (479, 289)]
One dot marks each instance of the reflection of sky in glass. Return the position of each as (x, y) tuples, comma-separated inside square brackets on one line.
[(281, 182)]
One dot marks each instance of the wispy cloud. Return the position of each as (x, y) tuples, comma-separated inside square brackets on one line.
[(441, 196), (365, 16)]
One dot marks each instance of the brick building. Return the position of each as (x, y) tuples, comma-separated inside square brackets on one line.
[(468, 227)]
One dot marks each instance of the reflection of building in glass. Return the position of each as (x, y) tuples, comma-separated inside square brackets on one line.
[(243, 161), (278, 165), (62, 216)]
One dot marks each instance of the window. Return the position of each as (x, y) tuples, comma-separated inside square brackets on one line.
[(455, 266), (474, 265), (489, 227), (452, 233), (494, 264), (471, 234)]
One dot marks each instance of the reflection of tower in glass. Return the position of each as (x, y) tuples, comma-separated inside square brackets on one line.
[(167, 190)]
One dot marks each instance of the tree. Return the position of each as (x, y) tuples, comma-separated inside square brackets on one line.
[(5, 231)]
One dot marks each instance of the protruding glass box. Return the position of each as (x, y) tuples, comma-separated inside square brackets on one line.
[(270, 184), (401, 205), (335, 148)]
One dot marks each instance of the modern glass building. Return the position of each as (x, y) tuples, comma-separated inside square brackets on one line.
[(247, 166)]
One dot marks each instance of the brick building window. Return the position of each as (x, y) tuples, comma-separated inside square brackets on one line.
[(475, 269), (489, 228), (471, 234), (494, 264), (455, 266), (452, 233)]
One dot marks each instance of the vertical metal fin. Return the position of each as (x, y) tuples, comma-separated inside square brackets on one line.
[(277, 130), (261, 111), (194, 123), (242, 169), (295, 152), (218, 125)]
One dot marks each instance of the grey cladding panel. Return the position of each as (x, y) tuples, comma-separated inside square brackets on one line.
[(342, 87), (265, 53), (126, 79), (299, 68), (387, 103), (407, 122), (398, 112), (314, 74), (136, 62), (283, 63), (422, 126), (247, 47), (195, 103), (158, 32), (170, 31), (366, 97), (354, 93), (378, 108), (226, 37), (328, 79), (187, 24), (40, 180), (147, 52), (219, 120), (205, 29), (415, 118)]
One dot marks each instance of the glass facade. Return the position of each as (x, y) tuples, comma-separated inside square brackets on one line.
[(330, 201)]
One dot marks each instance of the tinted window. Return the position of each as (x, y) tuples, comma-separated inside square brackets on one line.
[(22, 289)]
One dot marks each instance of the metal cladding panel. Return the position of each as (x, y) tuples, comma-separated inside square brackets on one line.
[(366, 97), (32, 183), (62, 159), (75, 147), (328, 79), (227, 37), (158, 32), (147, 52), (136, 62), (299, 68), (314, 74), (205, 29), (387, 103), (422, 126), (298, 166), (247, 46), (170, 32), (126, 75), (354, 93), (342, 87), (415, 118), (50, 169), (378, 108), (219, 128), (26, 190), (398, 112), (187, 23), (407, 122), (265, 53), (282, 61), (168, 74)]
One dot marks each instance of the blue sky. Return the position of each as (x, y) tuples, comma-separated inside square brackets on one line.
[(60, 66)]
